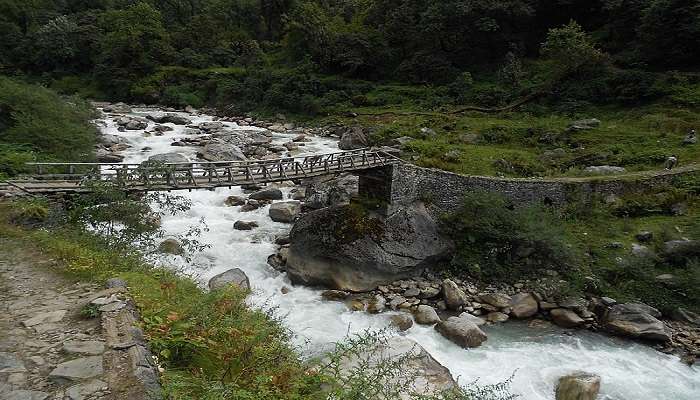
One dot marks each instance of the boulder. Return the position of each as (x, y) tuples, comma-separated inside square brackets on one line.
[(169, 158), (496, 317), (426, 315), (171, 246), (402, 322), (353, 138), (244, 225), (523, 305), (234, 276), (233, 201), (334, 295), (345, 248), (118, 108), (584, 124), (211, 126), (105, 156), (324, 192), (285, 211), (578, 386), (604, 170), (680, 250), (566, 318), (218, 150), (498, 300), (473, 318), (636, 321), (173, 119), (376, 304), (110, 140), (682, 314), (136, 125), (461, 332), (454, 296), (267, 194)]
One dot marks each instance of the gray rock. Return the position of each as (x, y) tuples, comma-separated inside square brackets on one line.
[(523, 305), (353, 138), (171, 246), (169, 158), (136, 125), (325, 192), (584, 124), (334, 295), (635, 321), (478, 321), (604, 170), (267, 194), (496, 317), (376, 304), (232, 201), (338, 248), (285, 211), (25, 395), (110, 140), (85, 390), (234, 276), (680, 250), (174, 119), (219, 150), (45, 317), (498, 300), (429, 293), (642, 251), (119, 108), (211, 126), (402, 322), (74, 370), (644, 236), (401, 141), (108, 157), (461, 332), (115, 283), (578, 386), (426, 315), (681, 314), (454, 296), (244, 225), (9, 363), (90, 347), (669, 280), (566, 318)]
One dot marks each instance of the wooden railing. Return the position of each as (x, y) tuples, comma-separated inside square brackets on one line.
[(54, 177)]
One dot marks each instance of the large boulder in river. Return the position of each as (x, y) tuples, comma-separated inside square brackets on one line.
[(578, 386), (324, 192), (637, 321), (461, 331), (285, 211), (233, 276), (219, 150), (523, 305), (169, 158), (347, 247), (454, 296), (426, 315), (267, 194), (353, 138), (119, 108)]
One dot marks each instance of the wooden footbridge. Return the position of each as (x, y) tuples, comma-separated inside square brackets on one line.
[(158, 176)]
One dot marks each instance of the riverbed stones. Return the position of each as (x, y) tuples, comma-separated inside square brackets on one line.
[(478, 321), (233, 201), (354, 138), (341, 249), (426, 315), (136, 125), (267, 194), (498, 300), (496, 317), (636, 321), (402, 322), (171, 246), (245, 225), (578, 386), (461, 332), (75, 370), (234, 276), (523, 305), (566, 318), (454, 296), (219, 150), (285, 211), (334, 295), (168, 158)]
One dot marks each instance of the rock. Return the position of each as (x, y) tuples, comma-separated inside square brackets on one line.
[(604, 170), (174, 119), (669, 280), (426, 315), (9, 363), (402, 322), (169, 158), (452, 156), (354, 138), (644, 236), (478, 321), (642, 251), (681, 314), (115, 283), (233, 201), (331, 192), (162, 128), (267, 194), (105, 156), (429, 293), (171, 246), (411, 292), (498, 300), (496, 317), (334, 295), (462, 332), (681, 250), (211, 126), (219, 150), (110, 140), (454, 296), (89, 347), (85, 390), (45, 318), (401, 141), (136, 125), (285, 211), (75, 370), (523, 305), (342, 249), (635, 320), (584, 124), (245, 225), (25, 395), (118, 108), (376, 304), (566, 318), (578, 386), (234, 276)]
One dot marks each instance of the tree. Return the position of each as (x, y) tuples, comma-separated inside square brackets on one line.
[(669, 33), (570, 48)]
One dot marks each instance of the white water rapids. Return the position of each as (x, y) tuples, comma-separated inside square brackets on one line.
[(536, 357)]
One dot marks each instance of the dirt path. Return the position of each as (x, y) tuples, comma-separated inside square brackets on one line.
[(49, 350)]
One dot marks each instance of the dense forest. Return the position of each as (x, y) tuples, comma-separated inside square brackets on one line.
[(312, 56)]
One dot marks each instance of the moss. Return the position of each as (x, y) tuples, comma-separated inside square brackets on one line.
[(355, 222)]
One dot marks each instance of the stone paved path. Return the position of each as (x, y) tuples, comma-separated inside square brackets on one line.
[(48, 350)]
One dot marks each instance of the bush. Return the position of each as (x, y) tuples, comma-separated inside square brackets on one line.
[(497, 241), (13, 159)]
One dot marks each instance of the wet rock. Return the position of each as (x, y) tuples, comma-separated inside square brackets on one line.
[(353, 138), (497, 317), (267, 194), (498, 300), (523, 305), (118, 108), (578, 386), (233, 201), (169, 158), (461, 332), (171, 246), (105, 156), (566, 318), (219, 150), (376, 304), (681, 314), (245, 225), (426, 315), (454, 296), (234, 276), (334, 295), (211, 126), (136, 125), (45, 318), (478, 321), (636, 321), (402, 322), (173, 119), (331, 247), (286, 211), (89, 347), (78, 369)]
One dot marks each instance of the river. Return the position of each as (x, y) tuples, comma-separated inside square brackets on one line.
[(536, 357)]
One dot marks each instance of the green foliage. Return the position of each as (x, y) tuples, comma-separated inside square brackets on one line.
[(13, 159), (29, 212), (495, 240), (570, 49)]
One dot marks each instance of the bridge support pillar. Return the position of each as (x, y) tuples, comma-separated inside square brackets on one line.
[(375, 187)]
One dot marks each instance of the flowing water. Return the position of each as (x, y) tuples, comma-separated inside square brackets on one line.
[(535, 358)]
